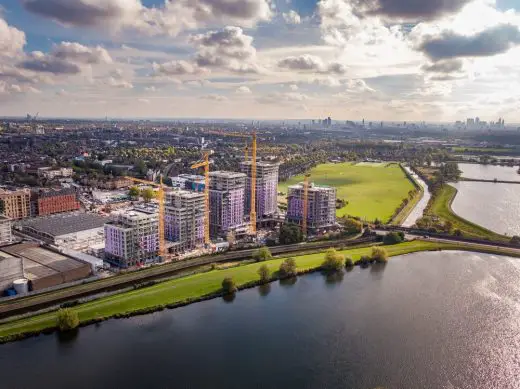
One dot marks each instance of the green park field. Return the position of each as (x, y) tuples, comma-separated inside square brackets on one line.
[(373, 191)]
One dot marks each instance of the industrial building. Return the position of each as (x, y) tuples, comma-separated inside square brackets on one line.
[(11, 268), (5, 230), (15, 204), (226, 199), (132, 238), (42, 267), (321, 206), (184, 220), (50, 201), (266, 188), (74, 230)]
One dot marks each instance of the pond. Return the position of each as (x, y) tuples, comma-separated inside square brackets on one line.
[(489, 172)]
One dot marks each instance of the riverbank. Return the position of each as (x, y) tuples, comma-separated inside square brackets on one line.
[(204, 286), (440, 206)]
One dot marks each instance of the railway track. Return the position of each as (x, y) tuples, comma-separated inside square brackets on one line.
[(40, 301)]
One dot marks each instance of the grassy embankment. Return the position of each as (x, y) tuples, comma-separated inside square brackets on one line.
[(197, 287), (373, 191), (440, 206), (400, 217)]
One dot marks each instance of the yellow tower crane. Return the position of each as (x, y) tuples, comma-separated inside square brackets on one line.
[(305, 204), (160, 198), (252, 215), (205, 165)]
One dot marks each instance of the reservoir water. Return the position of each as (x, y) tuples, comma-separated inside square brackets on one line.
[(417, 212), (426, 320), (494, 206), (489, 172)]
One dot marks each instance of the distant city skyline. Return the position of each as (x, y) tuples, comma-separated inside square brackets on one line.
[(261, 59)]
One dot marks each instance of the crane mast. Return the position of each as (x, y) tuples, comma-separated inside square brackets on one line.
[(253, 187)]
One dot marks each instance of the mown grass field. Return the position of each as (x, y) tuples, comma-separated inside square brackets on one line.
[(373, 191), (441, 207), (200, 285)]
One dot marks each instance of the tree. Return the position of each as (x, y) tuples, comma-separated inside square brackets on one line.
[(228, 285), (448, 226), (353, 226), (333, 261), (264, 273), (290, 233), (349, 263), (515, 240), (393, 238), (262, 254), (288, 268), (134, 192), (148, 194), (67, 319), (379, 254)]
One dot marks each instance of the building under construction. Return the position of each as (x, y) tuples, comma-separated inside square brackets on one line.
[(184, 220), (226, 199), (132, 238), (266, 188), (321, 206)]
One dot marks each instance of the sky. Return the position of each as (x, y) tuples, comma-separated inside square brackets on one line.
[(396, 60)]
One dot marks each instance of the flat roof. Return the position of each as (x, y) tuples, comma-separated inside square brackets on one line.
[(63, 224), (39, 262), (225, 174), (261, 164)]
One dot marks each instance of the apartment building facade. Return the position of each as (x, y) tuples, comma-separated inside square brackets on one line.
[(266, 188), (15, 204)]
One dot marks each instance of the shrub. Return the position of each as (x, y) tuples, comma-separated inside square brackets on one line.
[(262, 254), (349, 263), (333, 261), (515, 240), (379, 254), (228, 285), (264, 273), (353, 226), (457, 232), (365, 261), (393, 238), (67, 319), (288, 268)]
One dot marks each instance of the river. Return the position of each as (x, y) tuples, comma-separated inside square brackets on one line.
[(489, 172), (493, 206), (426, 320), (417, 212)]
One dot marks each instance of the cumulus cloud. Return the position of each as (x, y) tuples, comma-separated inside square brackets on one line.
[(291, 17), (171, 18), (310, 63), (412, 10), (228, 48), (282, 98), (495, 40), (214, 97), (243, 90), (12, 40), (175, 68), (65, 58), (76, 52), (449, 66)]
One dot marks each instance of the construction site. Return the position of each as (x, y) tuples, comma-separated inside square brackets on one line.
[(208, 212)]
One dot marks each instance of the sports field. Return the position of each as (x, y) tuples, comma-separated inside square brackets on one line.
[(373, 191)]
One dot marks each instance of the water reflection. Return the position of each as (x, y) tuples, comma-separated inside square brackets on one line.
[(67, 337), (264, 290), (334, 278), (288, 282), (229, 298)]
